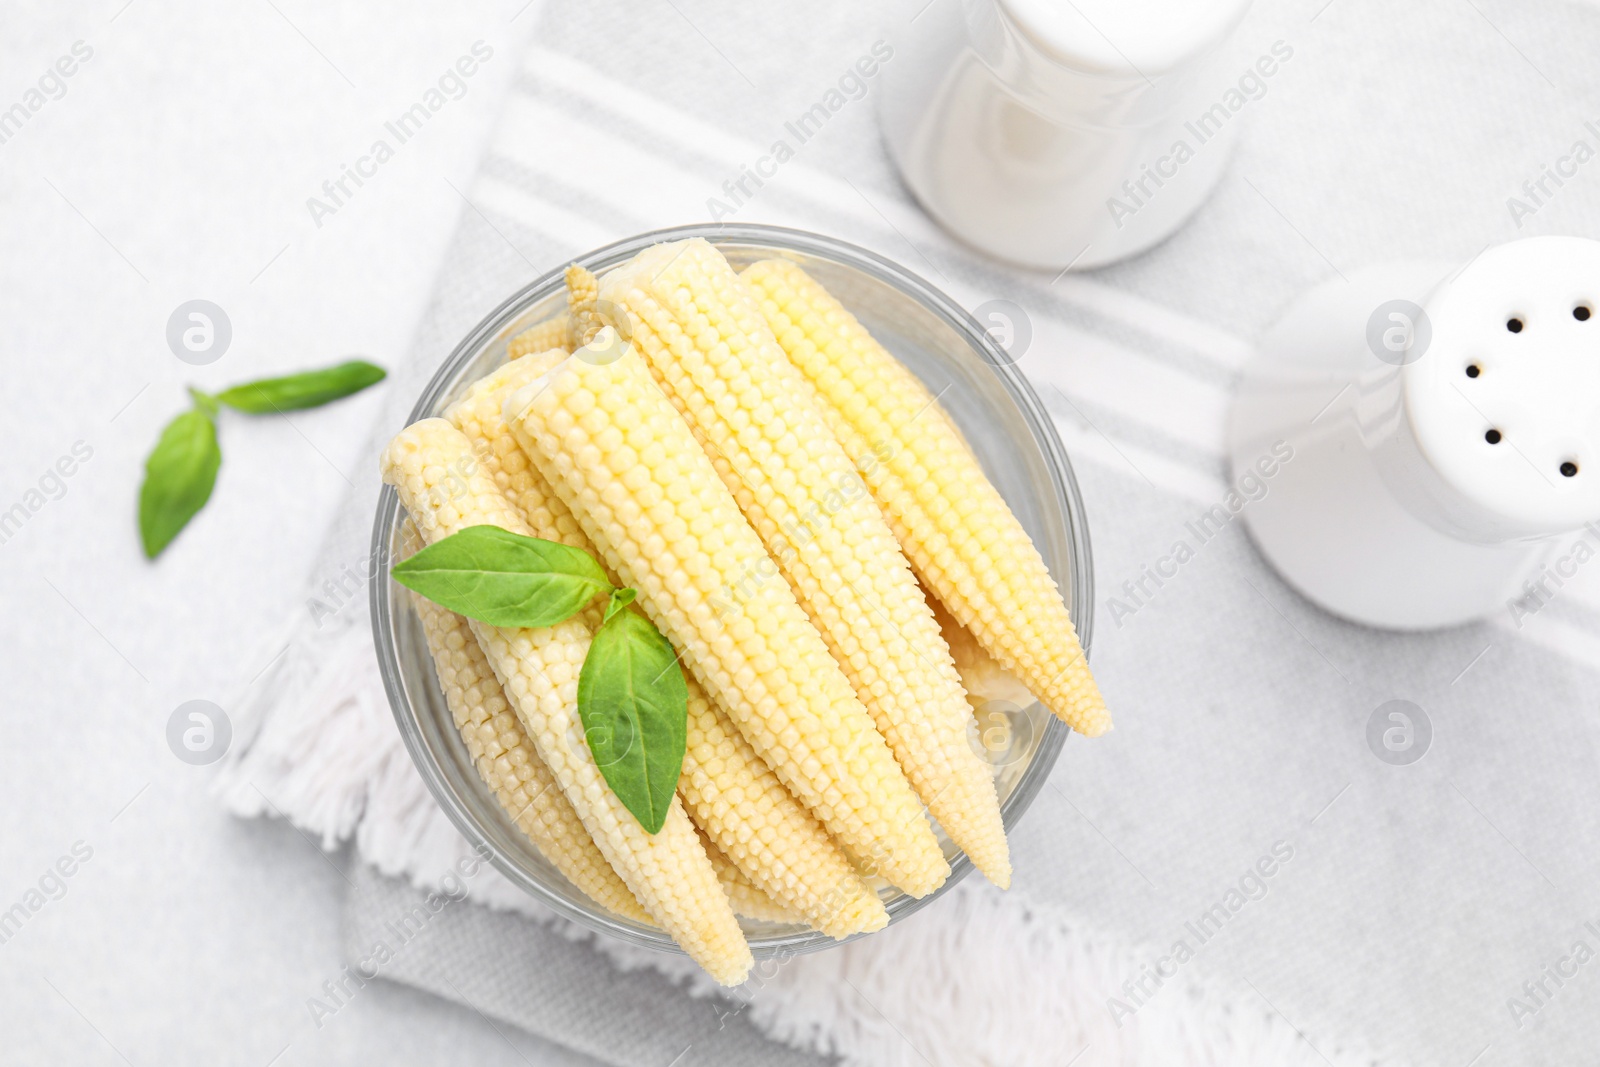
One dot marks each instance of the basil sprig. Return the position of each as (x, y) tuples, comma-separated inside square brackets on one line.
[(633, 700), (182, 469)]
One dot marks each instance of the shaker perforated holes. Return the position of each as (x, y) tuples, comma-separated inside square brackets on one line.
[(1517, 394)]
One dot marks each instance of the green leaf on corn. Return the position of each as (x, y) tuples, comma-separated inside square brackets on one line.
[(632, 697), (634, 705), (503, 578)]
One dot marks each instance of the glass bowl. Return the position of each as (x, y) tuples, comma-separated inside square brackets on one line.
[(986, 396)]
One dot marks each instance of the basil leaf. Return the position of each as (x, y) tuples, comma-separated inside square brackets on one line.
[(308, 389), (503, 578), (634, 705), (620, 598), (178, 478)]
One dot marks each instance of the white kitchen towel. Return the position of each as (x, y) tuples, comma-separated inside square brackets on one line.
[(1414, 910)]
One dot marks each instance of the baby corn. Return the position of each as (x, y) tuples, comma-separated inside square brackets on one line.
[(631, 470), (729, 792), (583, 307), (434, 469), (961, 537), (742, 807), (747, 898), (708, 344), (981, 675), (551, 333), (510, 766), (478, 416)]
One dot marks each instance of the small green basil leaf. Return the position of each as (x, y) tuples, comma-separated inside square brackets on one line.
[(503, 578), (634, 705), (620, 598), (178, 478), (308, 389)]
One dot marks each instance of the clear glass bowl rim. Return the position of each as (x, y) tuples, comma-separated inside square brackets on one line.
[(1068, 502)]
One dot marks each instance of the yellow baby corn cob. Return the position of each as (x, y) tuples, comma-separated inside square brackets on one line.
[(981, 675), (742, 807), (434, 469), (478, 416), (519, 779), (551, 333), (583, 307), (511, 767), (748, 899), (629, 467), (730, 793), (961, 537), (708, 343)]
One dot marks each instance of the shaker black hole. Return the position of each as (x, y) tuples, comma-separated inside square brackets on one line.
[(1514, 325), (1493, 437), (1473, 370), (1568, 469), (1580, 313)]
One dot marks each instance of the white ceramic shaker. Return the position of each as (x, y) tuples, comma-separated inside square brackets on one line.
[(1047, 133), (1442, 424)]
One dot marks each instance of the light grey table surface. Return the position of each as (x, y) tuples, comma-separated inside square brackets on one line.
[(177, 165)]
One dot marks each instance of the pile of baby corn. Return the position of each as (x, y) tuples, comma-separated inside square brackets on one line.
[(773, 483)]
